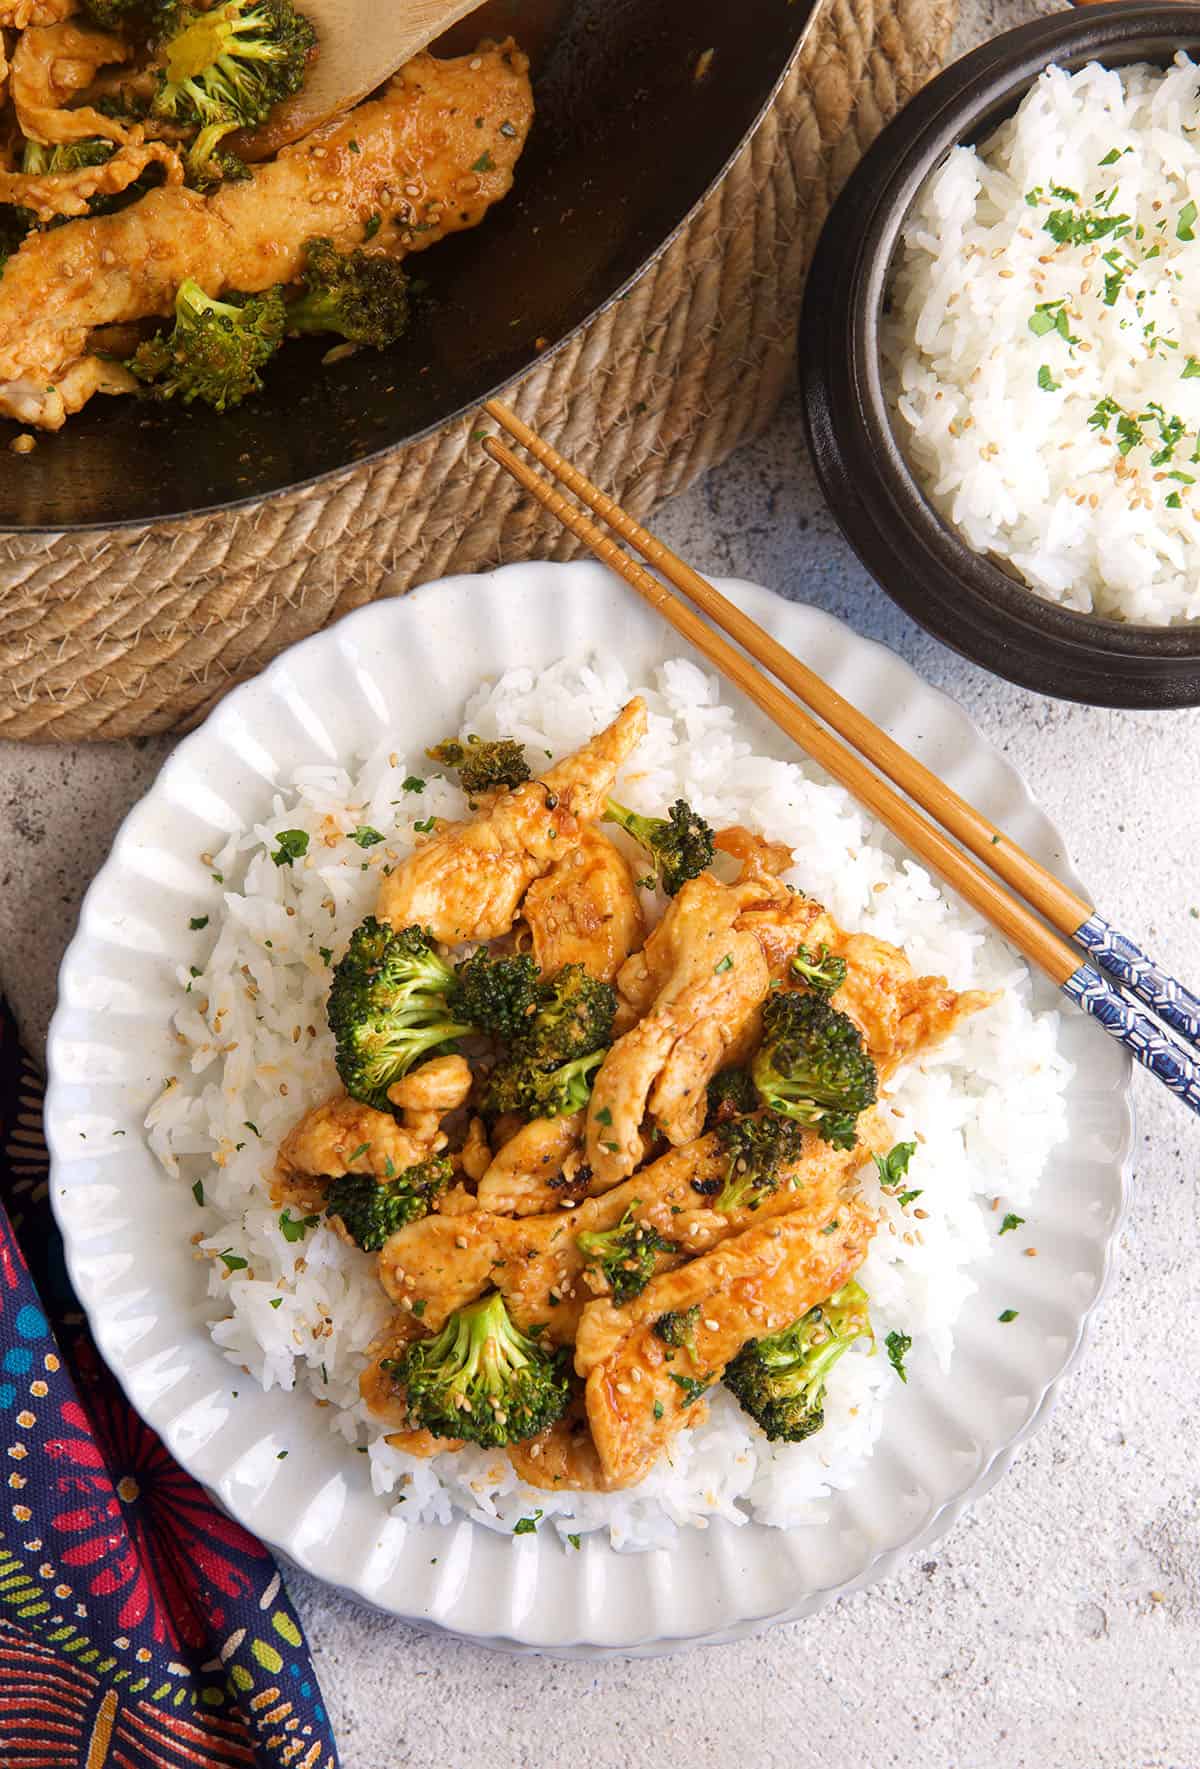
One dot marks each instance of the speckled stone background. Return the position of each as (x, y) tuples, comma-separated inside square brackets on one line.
[(1058, 1625)]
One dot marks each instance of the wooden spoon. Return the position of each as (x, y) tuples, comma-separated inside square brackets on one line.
[(361, 43)]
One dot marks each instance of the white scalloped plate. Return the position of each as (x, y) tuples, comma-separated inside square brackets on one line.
[(408, 666)]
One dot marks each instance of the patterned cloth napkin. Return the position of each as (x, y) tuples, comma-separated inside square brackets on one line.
[(140, 1627)]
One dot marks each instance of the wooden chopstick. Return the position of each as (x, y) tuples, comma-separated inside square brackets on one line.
[(1061, 906), (1014, 920)]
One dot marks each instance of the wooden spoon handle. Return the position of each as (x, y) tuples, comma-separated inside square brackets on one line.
[(361, 43)]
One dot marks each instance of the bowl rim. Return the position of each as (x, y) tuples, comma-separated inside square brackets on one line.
[(915, 554)]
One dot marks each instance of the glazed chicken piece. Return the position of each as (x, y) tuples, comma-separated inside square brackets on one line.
[(709, 981), (344, 1136), (585, 910), (52, 63), (536, 1263), (562, 1458), (413, 156), (429, 1094), (897, 1012), (467, 882), (534, 1169), (641, 1392), (17, 15)]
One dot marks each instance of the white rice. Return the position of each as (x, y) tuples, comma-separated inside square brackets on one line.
[(987, 1106), (1092, 504)]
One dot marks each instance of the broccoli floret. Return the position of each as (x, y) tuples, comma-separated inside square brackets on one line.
[(517, 1085), (481, 1378), (551, 1062), (66, 156), (215, 349), (625, 1254), (209, 164), (679, 1327), (731, 1094), (496, 995), (362, 296), (117, 15), (759, 1151), (372, 1209), (481, 763), (224, 69), (812, 1067), (780, 1380), (680, 845), (822, 971), (394, 1003)]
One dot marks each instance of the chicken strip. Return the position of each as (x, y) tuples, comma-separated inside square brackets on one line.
[(585, 910), (468, 880), (431, 1093), (536, 1262), (710, 980), (49, 194), (18, 15), (641, 1392), (530, 1173), (562, 1458), (429, 158), (50, 64), (339, 1137)]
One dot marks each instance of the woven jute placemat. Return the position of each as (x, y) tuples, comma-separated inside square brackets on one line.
[(124, 632)]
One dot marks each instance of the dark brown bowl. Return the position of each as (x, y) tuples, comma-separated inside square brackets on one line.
[(626, 141), (960, 596)]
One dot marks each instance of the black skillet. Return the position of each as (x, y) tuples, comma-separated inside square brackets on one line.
[(626, 142)]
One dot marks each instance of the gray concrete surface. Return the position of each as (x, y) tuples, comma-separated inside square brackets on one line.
[(1058, 1625)]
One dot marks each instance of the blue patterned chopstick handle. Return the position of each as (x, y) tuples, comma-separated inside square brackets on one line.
[(1145, 1041), (1142, 977)]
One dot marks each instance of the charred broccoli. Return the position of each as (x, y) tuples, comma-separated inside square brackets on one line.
[(481, 763), (680, 845), (215, 349), (115, 15), (780, 1380), (731, 1094), (679, 1327), (361, 296), (395, 1002), (225, 68), (822, 971), (625, 1254), (481, 1378), (66, 156), (812, 1067), (759, 1151), (548, 1069), (372, 1209)]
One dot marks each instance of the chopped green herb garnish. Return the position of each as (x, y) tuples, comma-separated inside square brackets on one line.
[(198, 1192), (295, 1228), (906, 1198), (419, 1307), (197, 922), (526, 1526), (1174, 501), (425, 826), (1010, 1314), (893, 1167), (1187, 217), (1111, 157), (366, 837), (293, 845), (233, 1261), (484, 163), (253, 1127), (898, 1348), (692, 1389), (413, 783), (574, 1541), (603, 1116), (374, 223), (326, 953), (360, 1151), (1046, 381), (725, 964), (1010, 1222), (658, 1409), (275, 1302)]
